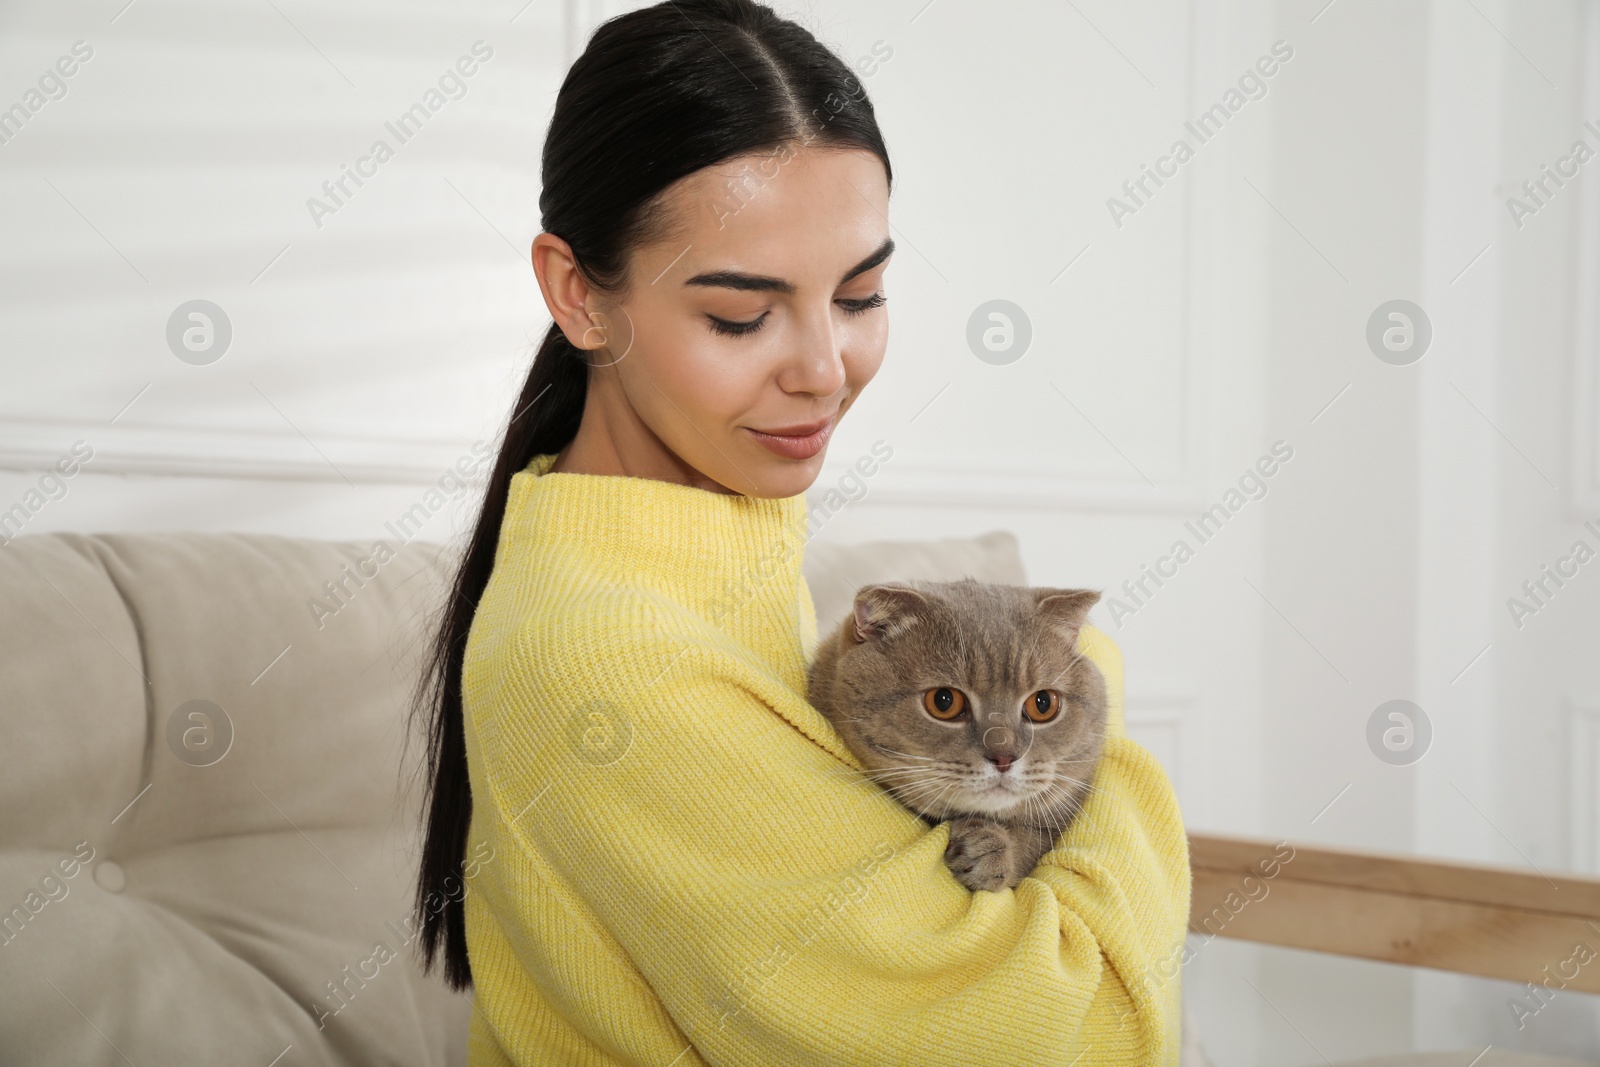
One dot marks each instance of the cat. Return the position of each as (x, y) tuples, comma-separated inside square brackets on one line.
[(968, 702)]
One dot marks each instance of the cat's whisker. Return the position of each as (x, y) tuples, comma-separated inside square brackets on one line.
[(911, 774), (1031, 805), (938, 801), (935, 805), (915, 787), (1054, 816), (1057, 777), (1081, 782), (911, 791), (845, 772), (1074, 797), (907, 755), (928, 795)]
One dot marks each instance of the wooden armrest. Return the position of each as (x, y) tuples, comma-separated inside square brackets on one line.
[(1496, 922)]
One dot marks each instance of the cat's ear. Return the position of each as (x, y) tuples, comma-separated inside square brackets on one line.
[(885, 611), (1065, 609)]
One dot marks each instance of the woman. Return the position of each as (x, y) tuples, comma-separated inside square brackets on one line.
[(647, 844)]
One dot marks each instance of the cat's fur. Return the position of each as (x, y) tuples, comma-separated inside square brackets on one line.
[(999, 645)]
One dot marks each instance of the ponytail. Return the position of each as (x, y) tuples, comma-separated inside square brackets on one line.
[(544, 420)]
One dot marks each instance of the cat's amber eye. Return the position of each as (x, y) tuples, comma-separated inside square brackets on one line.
[(944, 702), (1042, 706)]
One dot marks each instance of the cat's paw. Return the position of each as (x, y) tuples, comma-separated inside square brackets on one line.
[(980, 854)]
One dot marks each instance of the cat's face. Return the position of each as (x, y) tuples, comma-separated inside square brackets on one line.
[(968, 697)]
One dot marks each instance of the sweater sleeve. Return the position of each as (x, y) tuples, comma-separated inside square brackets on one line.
[(782, 907)]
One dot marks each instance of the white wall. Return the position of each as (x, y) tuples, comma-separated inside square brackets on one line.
[(1168, 354), (369, 347), (1430, 491)]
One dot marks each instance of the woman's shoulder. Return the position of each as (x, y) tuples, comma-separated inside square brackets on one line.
[(540, 604), (540, 661), (555, 626)]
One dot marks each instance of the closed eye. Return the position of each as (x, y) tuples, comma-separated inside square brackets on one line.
[(856, 307), (736, 329), (731, 328)]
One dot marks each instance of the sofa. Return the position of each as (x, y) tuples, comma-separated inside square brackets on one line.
[(211, 793)]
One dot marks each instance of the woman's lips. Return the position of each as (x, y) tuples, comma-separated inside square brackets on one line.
[(795, 446)]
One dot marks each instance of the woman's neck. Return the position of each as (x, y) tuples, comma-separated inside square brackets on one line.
[(612, 439)]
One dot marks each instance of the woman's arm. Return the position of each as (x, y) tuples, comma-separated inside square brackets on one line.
[(783, 908)]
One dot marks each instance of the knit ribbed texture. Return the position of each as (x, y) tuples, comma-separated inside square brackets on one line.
[(687, 867)]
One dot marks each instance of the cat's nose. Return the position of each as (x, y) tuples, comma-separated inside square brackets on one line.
[(1001, 762)]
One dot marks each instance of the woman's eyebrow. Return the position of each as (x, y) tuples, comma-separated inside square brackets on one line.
[(761, 283), (883, 252)]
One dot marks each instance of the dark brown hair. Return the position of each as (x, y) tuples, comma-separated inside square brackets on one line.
[(657, 94)]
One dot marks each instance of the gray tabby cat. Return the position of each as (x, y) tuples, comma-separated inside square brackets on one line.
[(968, 701)]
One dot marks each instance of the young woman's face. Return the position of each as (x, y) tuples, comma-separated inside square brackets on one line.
[(763, 315)]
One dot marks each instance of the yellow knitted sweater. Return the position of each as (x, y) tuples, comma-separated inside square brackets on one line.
[(678, 862)]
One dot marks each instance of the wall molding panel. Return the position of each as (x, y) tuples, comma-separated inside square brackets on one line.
[(174, 451)]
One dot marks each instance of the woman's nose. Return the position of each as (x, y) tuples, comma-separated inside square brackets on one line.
[(818, 366)]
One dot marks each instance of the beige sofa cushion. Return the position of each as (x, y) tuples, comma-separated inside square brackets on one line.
[(223, 902), (835, 572)]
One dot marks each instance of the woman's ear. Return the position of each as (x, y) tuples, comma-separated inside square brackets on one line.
[(565, 291)]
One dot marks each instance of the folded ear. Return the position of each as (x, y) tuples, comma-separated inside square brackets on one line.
[(1065, 609), (883, 612)]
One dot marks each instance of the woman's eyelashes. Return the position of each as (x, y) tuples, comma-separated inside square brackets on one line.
[(729, 328), (736, 329), (856, 307)]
